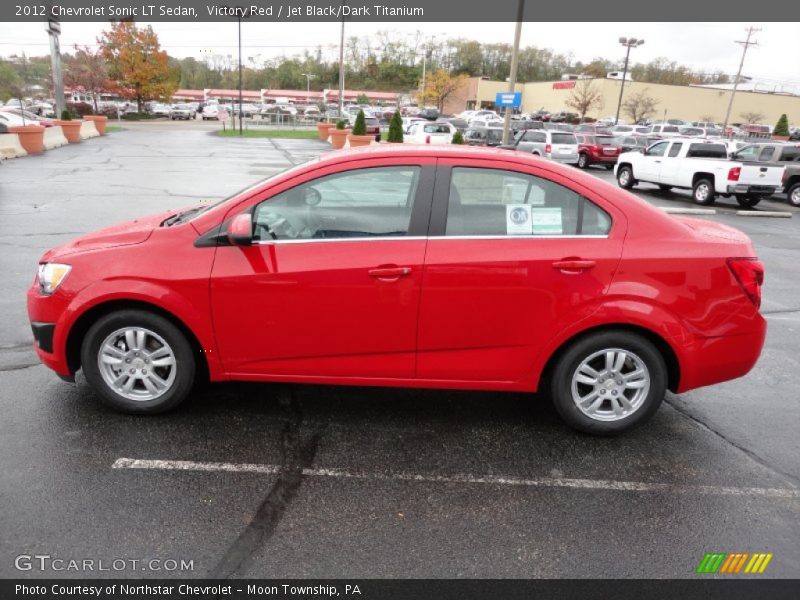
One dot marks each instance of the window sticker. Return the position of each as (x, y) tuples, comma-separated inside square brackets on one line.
[(547, 221), (518, 219)]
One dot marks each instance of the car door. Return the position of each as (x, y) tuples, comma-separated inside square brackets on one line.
[(515, 254), (330, 287), (648, 167), (670, 165)]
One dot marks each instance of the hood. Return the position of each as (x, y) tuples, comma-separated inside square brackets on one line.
[(713, 229), (122, 234)]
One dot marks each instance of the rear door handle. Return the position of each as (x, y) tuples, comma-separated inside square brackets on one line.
[(389, 273), (573, 266)]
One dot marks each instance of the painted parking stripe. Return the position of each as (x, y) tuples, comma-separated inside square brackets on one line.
[(545, 482), (764, 213), (687, 211)]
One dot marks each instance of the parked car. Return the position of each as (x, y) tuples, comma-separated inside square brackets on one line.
[(563, 117), (774, 152), (182, 111), (665, 130), (210, 112), (593, 128), (794, 136), (27, 117), (146, 307), (484, 115), (560, 146), (483, 136), (525, 124), (158, 109), (13, 119), (408, 121), (597, 150), (427, 132), (702, 167), (632, 143)]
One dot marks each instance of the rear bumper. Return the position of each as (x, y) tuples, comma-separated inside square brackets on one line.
[(712, 360), (742, 188), (570, 159), (603, 160)]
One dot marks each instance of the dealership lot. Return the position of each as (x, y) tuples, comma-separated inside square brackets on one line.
[(272, 480)]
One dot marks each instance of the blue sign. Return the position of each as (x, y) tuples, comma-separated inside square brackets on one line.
[(512, 99)]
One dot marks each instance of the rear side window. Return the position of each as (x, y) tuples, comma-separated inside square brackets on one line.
[(790, 154), (437, 129), (767, 153), (670, 129), (707, 151), (675, 149), (494, 202)]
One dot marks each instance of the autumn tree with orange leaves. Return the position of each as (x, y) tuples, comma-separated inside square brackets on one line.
[(137, 67)]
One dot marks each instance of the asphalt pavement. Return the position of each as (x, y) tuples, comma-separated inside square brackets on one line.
[(316, 481)]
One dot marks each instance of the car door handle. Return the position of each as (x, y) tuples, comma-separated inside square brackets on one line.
[(573, 265), (389, 273)]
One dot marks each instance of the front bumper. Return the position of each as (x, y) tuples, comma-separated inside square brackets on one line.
[(761, 190), (48, 315)]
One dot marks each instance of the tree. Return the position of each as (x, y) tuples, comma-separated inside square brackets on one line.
[(137, 66), (360, 126), (362, 99), (639, 106), (752, 116), (782, 127), (598, 68), (10, 82), (395, 129), (458, 138), (439, 87), (86, 69), (585, 97)]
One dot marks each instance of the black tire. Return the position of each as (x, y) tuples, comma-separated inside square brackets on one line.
[(793, 194), (560, 384), (748, 201), (664, 188), (583, 161), (703, 192), (185, 362), (625, 178)]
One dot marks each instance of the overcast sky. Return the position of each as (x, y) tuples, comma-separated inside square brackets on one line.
[(702, 46)]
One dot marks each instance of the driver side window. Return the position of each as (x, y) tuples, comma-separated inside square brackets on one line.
[(657, 149), (356, 204)]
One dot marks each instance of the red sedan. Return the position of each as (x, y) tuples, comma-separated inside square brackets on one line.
[(416, 266), (597, 150)]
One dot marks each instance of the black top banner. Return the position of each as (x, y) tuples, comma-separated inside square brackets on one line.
[(387, 11)]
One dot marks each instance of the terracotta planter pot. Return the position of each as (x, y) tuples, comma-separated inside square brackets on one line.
[(100, 122), (31, 137), (324, 130), (360, 140), (339, 137), (72, 130), (781, 138)]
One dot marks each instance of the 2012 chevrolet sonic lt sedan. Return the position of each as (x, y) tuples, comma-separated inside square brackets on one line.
[(439, 267)]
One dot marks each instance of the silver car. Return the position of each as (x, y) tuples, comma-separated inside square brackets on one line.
[(561, 146)]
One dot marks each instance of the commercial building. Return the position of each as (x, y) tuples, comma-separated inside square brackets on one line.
[(692, 103)]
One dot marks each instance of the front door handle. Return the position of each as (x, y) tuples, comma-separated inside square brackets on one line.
[(389, 273), (573, 265)]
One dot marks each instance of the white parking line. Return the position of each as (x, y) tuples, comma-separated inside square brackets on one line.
[(670, 210), (548, 482), (764, 213)]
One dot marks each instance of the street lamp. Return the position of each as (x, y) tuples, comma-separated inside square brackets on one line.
[(309, 77), (628, 43)]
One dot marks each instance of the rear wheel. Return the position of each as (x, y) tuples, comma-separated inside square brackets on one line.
[(793, 194), (608, 382), (703, 192), (138, 362), (748, 201), (625, 177), (583, 161)]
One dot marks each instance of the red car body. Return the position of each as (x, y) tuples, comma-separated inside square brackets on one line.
[(598, 149), (424, 310)]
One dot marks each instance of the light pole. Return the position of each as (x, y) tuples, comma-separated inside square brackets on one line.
[(628, 43), (54, 30), (241, 112), (308, 77), (512, 80), (341, 67)]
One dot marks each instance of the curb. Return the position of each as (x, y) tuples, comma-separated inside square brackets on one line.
[(764, 213), (688, 211)]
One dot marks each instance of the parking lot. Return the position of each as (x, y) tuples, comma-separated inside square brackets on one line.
[(312, 481)]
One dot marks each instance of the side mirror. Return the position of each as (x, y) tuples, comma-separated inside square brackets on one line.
[(240, 230)]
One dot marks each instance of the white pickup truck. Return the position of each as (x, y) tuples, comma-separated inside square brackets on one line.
[(700, 166)]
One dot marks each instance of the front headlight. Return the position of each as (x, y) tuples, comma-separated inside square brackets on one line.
[(51, 275)]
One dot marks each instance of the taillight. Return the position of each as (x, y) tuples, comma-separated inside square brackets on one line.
[(427, 139), (733, 174), (749, 272), (548, 148)]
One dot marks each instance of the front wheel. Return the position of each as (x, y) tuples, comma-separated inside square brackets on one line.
[(138, 362), (793, 194), (703, 192), (748, 201), (583, 161), (608, 382), (625, 177)]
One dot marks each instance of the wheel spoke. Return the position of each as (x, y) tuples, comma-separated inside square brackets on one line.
[(163, 351), (591, 401), (635, 380), (129, 384), (167, 361), (130, 339), (140, 335), (610, 355), (149, 385), (111, 360), (619, 362)]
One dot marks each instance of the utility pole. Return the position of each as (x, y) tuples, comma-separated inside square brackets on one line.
[(512, 80), (628, 43), (745, 45), (54, 30), (241, 111), (341, 67)]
